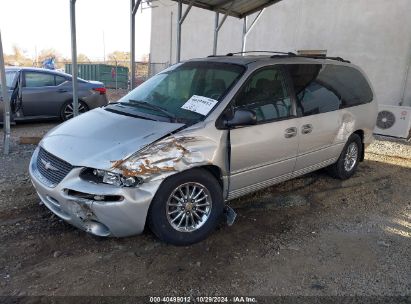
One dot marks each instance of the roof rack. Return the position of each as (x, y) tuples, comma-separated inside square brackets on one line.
[(312, 57), (209, 56), (269, 52), (285, 54)]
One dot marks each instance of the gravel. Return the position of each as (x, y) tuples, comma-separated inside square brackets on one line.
[(391, 147)]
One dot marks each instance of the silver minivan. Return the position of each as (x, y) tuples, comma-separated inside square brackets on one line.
[(175, 150)]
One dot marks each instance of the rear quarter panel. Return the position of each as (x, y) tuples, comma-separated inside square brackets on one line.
[(92, 98), (358, 118)]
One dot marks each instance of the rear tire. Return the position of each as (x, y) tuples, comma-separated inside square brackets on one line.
[(186, 208), (66, 111), (347, 163)]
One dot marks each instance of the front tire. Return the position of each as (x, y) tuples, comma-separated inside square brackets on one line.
[(186, 208), (347, 163)]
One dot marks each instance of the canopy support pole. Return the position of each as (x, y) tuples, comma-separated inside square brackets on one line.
[(218, 25), (246, 30), (133, 10), (171, 39), (217, 16), (244, 35), (180, 20), (74, 68), (6, 102), (217, 28)]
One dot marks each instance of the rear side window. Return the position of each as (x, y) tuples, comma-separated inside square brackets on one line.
[(324, 88), (60, 80), (314, 95)]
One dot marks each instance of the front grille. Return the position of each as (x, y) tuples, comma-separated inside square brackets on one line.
[(51, 167)]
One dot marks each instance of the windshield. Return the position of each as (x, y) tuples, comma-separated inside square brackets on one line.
[(185, 92)]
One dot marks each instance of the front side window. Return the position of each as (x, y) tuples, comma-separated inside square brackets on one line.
[(166, 93), (35, 80), (266, 93)]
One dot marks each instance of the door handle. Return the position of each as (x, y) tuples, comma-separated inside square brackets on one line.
[(61, 90), (306, 129), (290, 132)]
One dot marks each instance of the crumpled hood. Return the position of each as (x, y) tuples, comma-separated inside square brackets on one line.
[(98, 138)]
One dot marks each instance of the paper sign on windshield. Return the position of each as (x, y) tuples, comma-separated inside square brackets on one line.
[(199, 104)]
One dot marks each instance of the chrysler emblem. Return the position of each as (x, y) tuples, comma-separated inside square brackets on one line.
[(48, 165)]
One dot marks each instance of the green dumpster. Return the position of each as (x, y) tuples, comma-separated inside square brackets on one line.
[(113, 77)]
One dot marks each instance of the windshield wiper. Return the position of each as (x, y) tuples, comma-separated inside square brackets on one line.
[(145, 104), (126, 113)]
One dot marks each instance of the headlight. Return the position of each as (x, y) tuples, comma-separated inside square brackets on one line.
[(111, 178)]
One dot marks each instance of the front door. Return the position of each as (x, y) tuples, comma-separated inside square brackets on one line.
[(265, 153)]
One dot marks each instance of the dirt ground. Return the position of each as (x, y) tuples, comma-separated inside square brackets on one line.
[(309, 236)]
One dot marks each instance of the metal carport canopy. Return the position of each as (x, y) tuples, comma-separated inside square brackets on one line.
[(234, 8)]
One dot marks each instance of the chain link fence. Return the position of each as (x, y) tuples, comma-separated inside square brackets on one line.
[(145, 70), (114, 74)]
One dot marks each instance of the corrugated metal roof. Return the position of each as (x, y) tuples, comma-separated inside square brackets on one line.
[(235, 8)]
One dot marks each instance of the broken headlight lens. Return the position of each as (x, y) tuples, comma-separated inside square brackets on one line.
[(117, 179), (111, 178)]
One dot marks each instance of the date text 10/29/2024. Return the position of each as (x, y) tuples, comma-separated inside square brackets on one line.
[(205, 299)]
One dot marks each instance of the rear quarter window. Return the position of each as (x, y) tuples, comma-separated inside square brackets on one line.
[(321, 88), (351, 85)]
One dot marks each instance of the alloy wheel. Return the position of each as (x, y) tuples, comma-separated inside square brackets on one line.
[(68, 110), (351, 157), (188, 207)]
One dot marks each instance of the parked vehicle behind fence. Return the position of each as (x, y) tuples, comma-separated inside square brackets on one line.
[(45, 94), (176, 149)]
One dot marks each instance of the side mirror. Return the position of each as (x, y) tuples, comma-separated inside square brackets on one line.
[(242, 117)]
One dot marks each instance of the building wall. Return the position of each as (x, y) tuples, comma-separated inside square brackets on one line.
[(374, 34)]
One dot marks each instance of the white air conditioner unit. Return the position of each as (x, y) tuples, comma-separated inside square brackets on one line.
[(393, 121)]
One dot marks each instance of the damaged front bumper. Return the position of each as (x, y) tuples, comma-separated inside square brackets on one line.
[(100, 209)]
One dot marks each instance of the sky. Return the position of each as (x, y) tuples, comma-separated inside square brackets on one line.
[(44, 24)]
